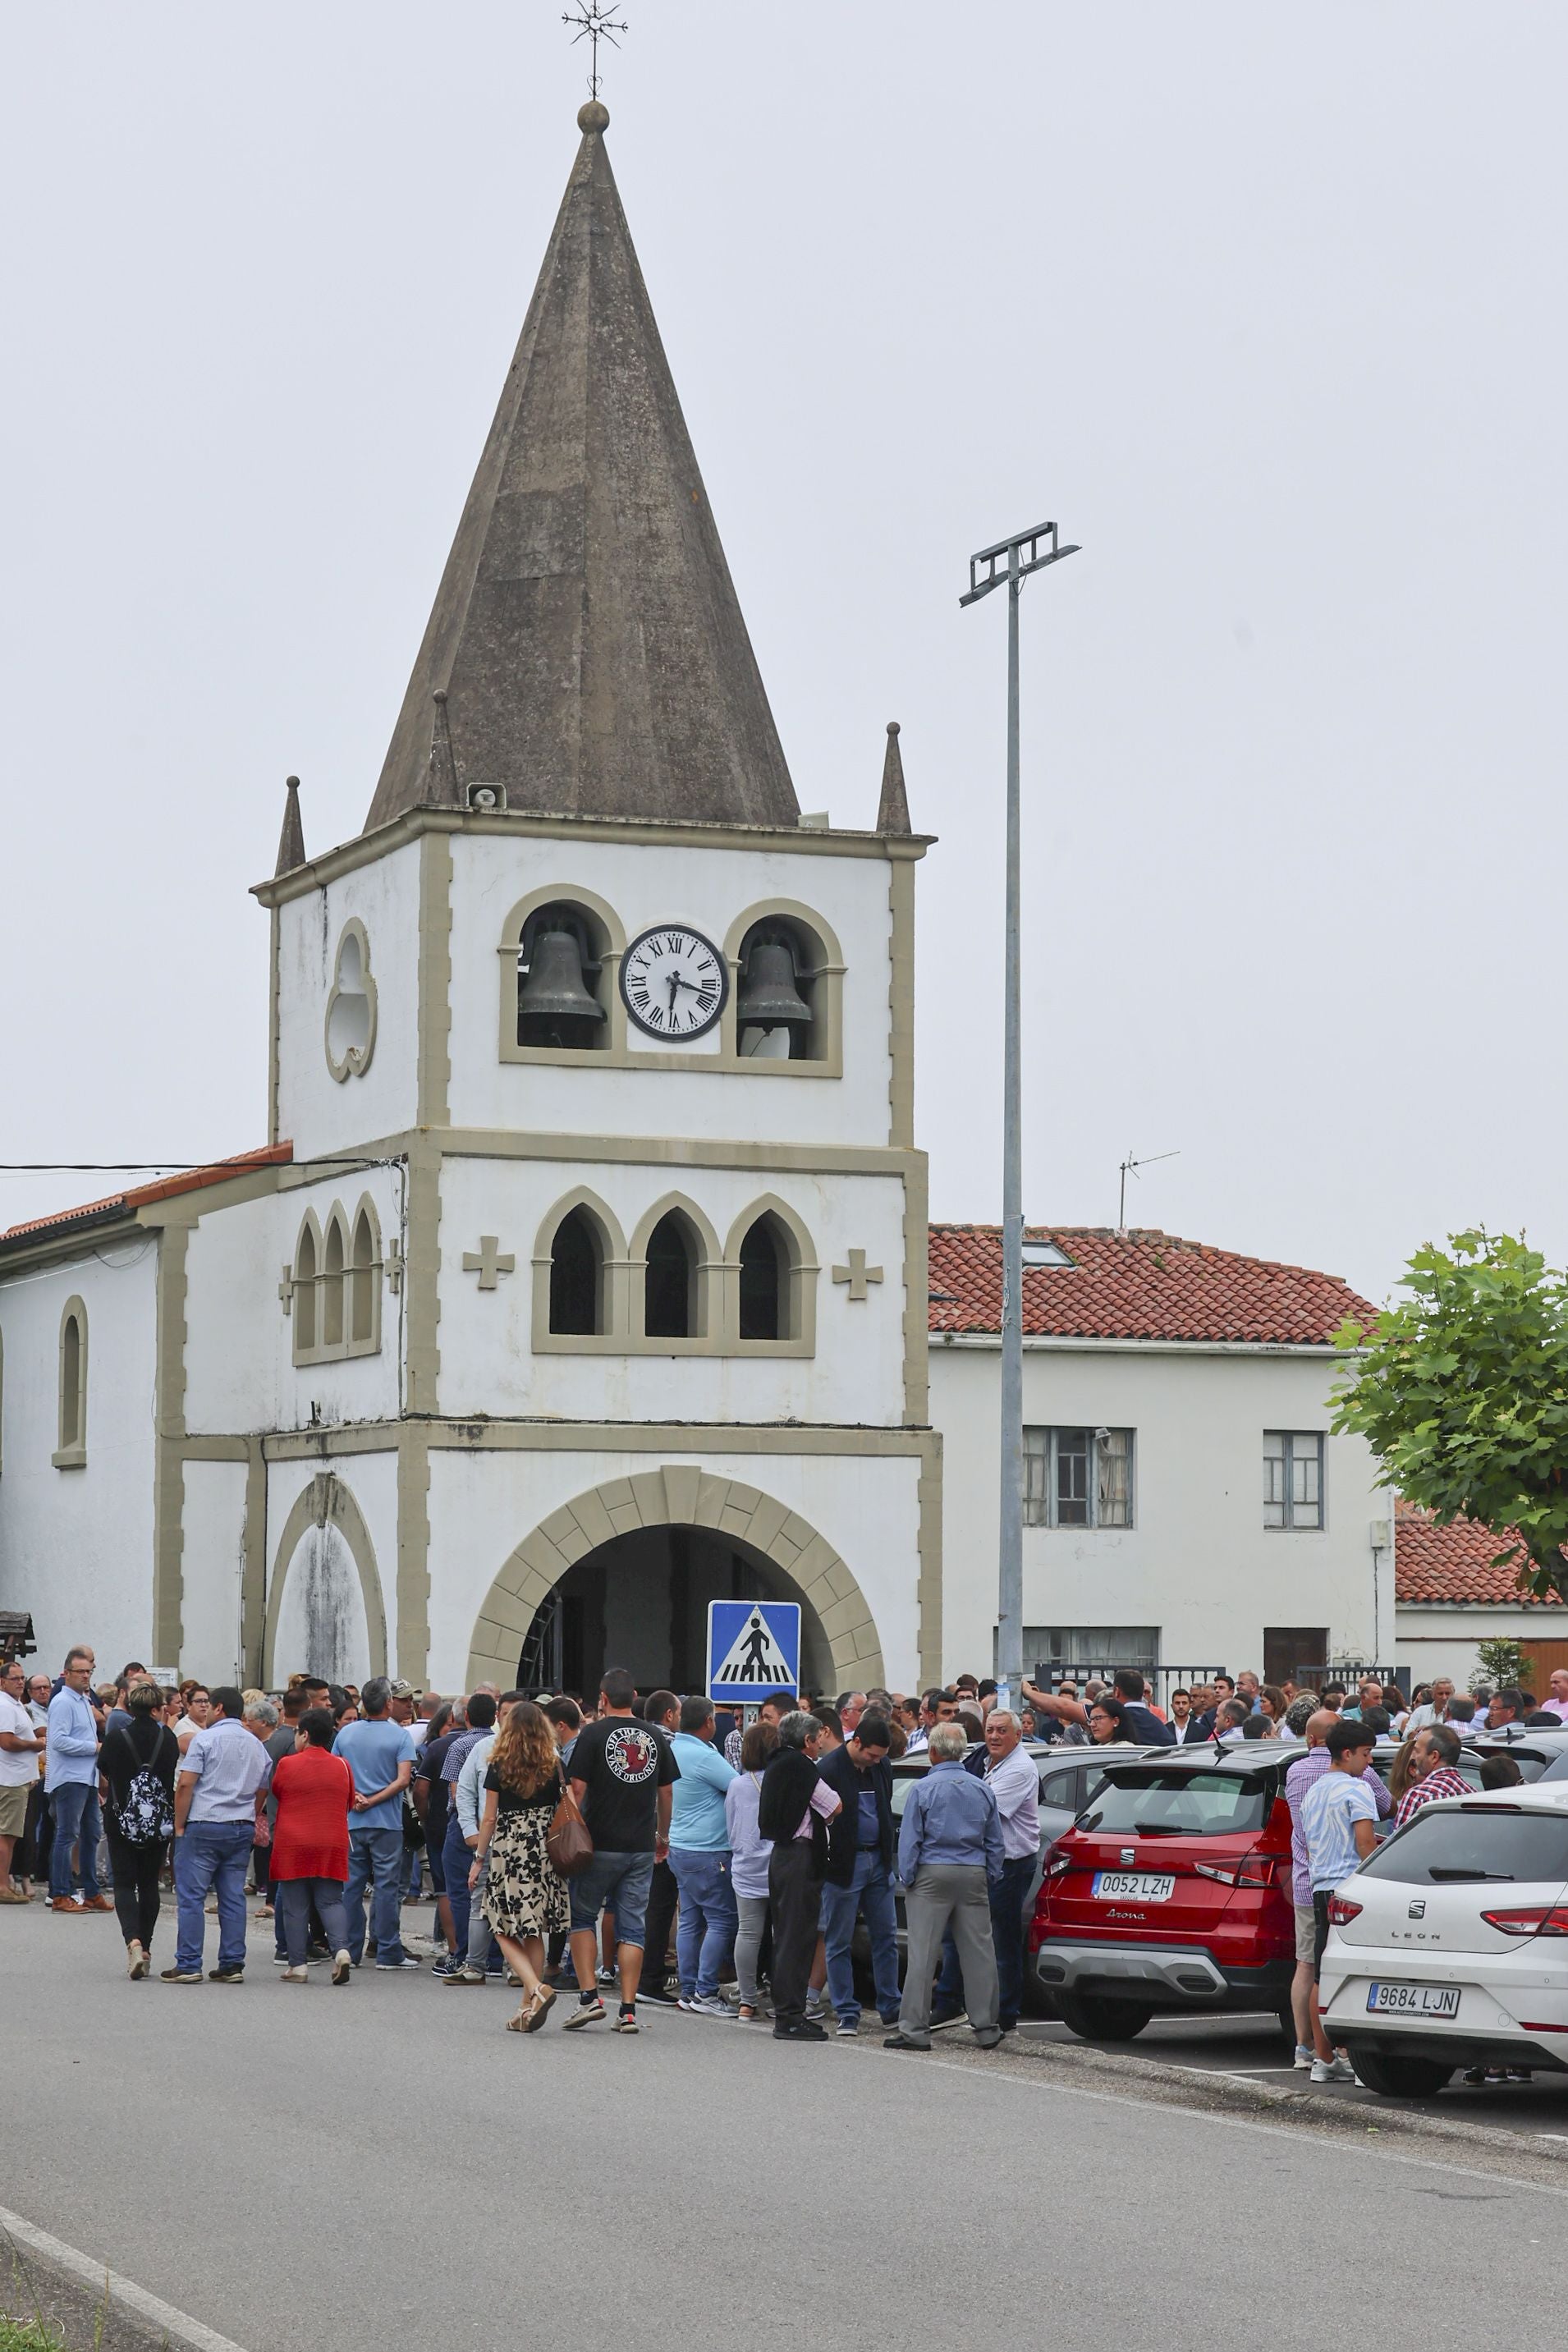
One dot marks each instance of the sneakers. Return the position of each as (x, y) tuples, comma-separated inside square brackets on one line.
[(606, 1976), (803, 2029), (461, 1976), (710, 2005), (590, 2008), (341, 1967), (849, 2029), (662, 1996), (1305, 2053), (394, 1966), (817, 2008), (446, 1966), (181, 1976), (1332, 2070), (135, 1960), (295, 1976), (226, 1976), (626, 2019)]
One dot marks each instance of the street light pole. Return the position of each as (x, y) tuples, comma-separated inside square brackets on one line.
[(1009, 564)]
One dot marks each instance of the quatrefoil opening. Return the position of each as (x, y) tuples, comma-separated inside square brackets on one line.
[(351, 1005)]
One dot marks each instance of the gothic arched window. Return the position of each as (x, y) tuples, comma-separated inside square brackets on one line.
[(577, 1276), (670, 1280), (72, 1452)]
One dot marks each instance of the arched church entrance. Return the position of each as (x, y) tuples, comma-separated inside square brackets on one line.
[(623, 1576)]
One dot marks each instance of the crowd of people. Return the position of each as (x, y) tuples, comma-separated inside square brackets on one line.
[(572, 1850)]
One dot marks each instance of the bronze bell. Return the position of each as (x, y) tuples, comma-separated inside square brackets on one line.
[(769, 998), (554, 989)]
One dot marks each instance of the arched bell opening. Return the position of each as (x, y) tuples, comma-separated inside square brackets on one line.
[(562, 979), (766, 1257), (778, 1016), (641, 1602)]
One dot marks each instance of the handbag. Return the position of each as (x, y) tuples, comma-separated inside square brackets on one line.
[(567, 1840)]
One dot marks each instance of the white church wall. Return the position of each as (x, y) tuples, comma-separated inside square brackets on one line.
[(234, 1262), (212, 1565), (76, 1545), (371, 1479), (316, 1111), (646, 885), (485, 1337), (1197, 1562), (483, 1506)]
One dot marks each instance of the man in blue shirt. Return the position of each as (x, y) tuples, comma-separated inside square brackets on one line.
[(70, 1784), (950, 1848), (699, 1857), (380, 1754), (219, 1800)]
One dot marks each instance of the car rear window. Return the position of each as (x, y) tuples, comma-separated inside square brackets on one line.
[(1475, 1845), (1179, 1804)]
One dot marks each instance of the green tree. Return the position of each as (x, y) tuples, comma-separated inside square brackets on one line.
[(1462, 1394), (1502, 1666)]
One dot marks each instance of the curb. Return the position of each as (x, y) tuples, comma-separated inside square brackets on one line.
[(147, 2315), (1112, 2069)]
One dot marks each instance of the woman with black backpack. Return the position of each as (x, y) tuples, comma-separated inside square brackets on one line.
[(136, 1769)]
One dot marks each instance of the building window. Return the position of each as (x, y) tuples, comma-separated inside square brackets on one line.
[(669, 1293), (71, 1452), (577, 1276), (764, 1282), (334, 1286), (1085, 1650), (1078, 1478), (1292, 1478)]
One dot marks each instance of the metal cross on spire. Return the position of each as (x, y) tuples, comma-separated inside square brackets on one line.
[(594, 24)]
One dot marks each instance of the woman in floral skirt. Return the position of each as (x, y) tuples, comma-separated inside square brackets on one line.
[(525, 1896)]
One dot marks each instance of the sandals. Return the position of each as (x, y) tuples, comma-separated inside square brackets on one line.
[(534, 2012)]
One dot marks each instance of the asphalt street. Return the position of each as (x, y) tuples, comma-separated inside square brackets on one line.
[(264, 2155)]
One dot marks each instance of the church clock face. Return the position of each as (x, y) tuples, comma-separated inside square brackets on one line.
[(673, 982)]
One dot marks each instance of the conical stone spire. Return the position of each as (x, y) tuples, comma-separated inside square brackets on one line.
[(291, 840), (586, 632), (893, 811)]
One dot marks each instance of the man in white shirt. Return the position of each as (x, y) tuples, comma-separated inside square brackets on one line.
[(1419, 1718), (1557, 1704), (19, 1746)]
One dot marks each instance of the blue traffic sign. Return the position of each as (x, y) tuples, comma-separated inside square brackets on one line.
[(753, 1648)]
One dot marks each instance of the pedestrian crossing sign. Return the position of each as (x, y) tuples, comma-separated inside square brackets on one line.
[(753, 1648)]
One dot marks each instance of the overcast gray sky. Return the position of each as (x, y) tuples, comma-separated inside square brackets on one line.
[(1264, 305)]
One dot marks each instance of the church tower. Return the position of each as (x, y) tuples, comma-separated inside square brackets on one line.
[(599, 1269)]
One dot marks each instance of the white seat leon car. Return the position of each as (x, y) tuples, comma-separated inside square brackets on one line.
[(1448, 1947)]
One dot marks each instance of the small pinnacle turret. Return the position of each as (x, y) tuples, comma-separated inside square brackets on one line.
[(893, 810), (291, 840)]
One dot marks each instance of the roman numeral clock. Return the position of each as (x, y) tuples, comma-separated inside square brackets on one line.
[(673, 982)]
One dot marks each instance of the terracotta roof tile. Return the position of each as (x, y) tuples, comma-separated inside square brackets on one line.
[(1137, 1284), (137, 1196), (1453, 1565)]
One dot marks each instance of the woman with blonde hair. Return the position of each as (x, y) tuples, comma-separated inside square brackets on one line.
[(1399, 1770), (524, 1895)]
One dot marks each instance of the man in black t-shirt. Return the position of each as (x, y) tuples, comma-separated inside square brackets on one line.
[(622, 1776)]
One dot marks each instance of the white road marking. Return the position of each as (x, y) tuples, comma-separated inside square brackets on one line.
[(177, 2325)]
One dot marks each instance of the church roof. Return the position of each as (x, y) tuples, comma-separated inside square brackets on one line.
[(116, 1206), (586, 634)]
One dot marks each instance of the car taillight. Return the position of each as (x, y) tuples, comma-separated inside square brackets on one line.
[(1056, 1862), (1536, 1919), (1257, 1870), (1341, 1911)]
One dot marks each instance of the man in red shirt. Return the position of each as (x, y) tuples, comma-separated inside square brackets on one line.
[(1432, 1773)]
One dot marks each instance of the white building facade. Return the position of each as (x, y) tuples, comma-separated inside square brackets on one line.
[(1186, 1505)]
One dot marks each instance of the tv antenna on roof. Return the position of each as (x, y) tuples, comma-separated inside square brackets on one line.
[(1130, 1167)]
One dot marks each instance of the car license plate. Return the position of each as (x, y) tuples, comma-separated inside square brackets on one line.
[(1414, 2000), (1140, 1885)]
